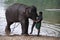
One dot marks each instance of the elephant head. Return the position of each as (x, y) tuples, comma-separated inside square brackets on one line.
[(31, 12)]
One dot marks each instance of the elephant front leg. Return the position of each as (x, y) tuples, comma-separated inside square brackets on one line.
[(25, 24)]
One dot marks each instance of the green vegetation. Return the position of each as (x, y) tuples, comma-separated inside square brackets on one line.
[(51, 16)]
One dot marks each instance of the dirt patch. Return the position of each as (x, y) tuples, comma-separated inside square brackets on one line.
[(28, 38)]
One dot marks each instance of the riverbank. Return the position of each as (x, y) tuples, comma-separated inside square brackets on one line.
[(28, 38)]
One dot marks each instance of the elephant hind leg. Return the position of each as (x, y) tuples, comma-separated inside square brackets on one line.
[(7, 29)]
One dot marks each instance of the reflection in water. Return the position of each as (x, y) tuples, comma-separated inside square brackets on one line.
[(46, 29)]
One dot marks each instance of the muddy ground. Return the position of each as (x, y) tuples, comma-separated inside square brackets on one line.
[(28, 38)]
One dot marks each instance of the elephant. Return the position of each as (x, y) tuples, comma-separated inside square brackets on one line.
[(20, 13)]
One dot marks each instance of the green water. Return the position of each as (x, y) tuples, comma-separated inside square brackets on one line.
[(50, 16)]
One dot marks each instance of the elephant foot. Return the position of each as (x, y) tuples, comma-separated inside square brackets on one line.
[(25, 34), (7, 31), (39, 35)]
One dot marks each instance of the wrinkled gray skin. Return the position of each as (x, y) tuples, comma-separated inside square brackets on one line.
[(20, 13)]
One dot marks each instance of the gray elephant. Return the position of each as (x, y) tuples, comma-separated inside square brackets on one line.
[(20, 13)]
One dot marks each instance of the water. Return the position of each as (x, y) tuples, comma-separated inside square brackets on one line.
[(52, 15), (46, 29)]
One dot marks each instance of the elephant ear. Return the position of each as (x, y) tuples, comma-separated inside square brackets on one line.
[(27, 11), (30, 11)]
